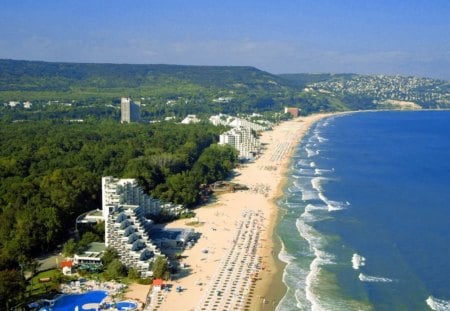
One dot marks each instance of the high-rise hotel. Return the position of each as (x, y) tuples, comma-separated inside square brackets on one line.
[(129, 109)]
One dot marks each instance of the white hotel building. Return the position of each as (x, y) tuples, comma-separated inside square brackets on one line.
[(124, 208), (223, 119), (243, 140)]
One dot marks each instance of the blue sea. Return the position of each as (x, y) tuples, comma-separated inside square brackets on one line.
[(365, 221)]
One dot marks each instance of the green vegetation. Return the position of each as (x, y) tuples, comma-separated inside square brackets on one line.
[(164, 90), (109, 256), (12, 286), (85, 91), (160, 268), (115, 270), (41, 283), (72, 247)]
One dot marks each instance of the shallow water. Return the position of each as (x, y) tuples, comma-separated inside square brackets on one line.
[(368, 214)]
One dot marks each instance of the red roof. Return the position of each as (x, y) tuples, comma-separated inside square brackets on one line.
[(67, 263), (158, 282)]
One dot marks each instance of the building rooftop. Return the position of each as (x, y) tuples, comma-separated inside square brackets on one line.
[(96, 247)]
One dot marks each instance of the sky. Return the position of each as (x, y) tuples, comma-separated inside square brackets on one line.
[(407, 37)]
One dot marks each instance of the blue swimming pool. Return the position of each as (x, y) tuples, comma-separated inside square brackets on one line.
[(126, 305), (70, 302)]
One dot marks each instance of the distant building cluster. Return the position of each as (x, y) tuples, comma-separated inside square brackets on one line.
[(190, 119), (124, 208), (16, 104), (382, 87), (223, 119), (129, 110), (242, 136)]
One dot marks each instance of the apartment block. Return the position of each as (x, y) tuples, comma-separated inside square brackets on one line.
[(243, 140), (125, 208), (129, 110)]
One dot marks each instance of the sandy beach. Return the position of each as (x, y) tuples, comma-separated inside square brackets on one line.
[(233, 265)]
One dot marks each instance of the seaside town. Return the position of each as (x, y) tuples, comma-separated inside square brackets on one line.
[(384, 88), (227, 155), (219, 258)]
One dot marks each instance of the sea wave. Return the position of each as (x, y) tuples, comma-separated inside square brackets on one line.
[(310, 153), (318, 171), (367, 278), (321, 139), (314, 239), (438, 304), (309, 216), (316, 242), (333, 205), (303, 162), (306, 171), (322, 258), (316, 183), (358, 261), (284, 256), (309, 195)]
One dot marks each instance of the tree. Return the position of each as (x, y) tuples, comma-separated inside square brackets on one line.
[(109, 255), (70, 248), (116, 269), (160, 267), (12, 287), (133, 274), (87, 238)]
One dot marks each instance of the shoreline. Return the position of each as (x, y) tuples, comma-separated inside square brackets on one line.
[(259, 279), (272, 287)]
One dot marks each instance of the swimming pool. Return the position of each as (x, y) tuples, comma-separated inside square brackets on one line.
[(88, 301), (126, 305), (85, 302)]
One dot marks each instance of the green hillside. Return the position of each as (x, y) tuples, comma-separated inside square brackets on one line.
[(94, 90), (76, 81)]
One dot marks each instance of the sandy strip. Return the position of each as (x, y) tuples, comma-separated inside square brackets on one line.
[(219, 223), (137, 293)]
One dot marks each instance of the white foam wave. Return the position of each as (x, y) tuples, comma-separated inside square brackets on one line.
[(321, 139), (321, 259), (316, 183), (303, 162), (312, 207), (319, 171), (333, 205), (293, 189), (367, 278), (438, 304), (284, 256), (312, 164), (307, 232), (309, 195), (358, 261), (308, 216), (310, 153), (306, 171)]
